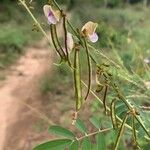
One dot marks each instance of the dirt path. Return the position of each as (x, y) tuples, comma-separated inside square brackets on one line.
[(21, 86)]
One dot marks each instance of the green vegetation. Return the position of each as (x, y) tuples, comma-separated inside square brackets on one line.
[(15, 33)]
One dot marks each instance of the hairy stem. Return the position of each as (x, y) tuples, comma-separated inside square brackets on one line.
[(94, 133), (66, 40)]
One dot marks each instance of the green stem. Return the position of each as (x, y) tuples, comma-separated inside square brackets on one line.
[(72, 28), (34, 19), (142, 125), (134, 130), (104, 99), (56, 4), (120, 132), (94, 133)]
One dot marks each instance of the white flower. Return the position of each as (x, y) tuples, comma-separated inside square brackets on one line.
[(89, 30), (52, 15)]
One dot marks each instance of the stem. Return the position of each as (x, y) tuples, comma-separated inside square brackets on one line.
[(38, 113), (142, 125), (72, 28), (34, 19), (104, 56), (53, 41), (120, 96), (56, 4), (134, 130), (89, 69), (94, 133), (120, 132)]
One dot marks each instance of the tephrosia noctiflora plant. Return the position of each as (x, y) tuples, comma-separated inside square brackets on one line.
[(126, 117)]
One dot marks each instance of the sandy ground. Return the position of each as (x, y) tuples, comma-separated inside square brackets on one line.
[(18, 93)]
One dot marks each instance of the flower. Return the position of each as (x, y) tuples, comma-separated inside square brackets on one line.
[(70, 43), (53, 16), (89, 30)]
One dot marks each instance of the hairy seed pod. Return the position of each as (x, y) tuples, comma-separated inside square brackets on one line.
[(121, 132), (65, 37), (89, 68), (77, 80), (112, 112)]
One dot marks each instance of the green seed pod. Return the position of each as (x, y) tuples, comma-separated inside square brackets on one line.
[(121, 132), (112, 113), (65, 35), (134, 131), (77, 80), (89, 69), (52, 30)]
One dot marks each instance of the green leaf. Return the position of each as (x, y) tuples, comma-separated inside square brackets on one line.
[(146, 147), (101, 143), (120, 107), (80, 125), (86, 144), (57, 130), (74, 145), (59, 144), (95, 122)]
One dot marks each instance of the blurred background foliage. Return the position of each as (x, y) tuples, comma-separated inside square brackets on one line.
[(14, 22)]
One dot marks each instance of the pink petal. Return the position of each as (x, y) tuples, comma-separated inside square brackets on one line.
[(51, 18), (93, 38)]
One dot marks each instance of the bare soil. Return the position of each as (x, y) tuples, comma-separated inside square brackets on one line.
[(19, 99)]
